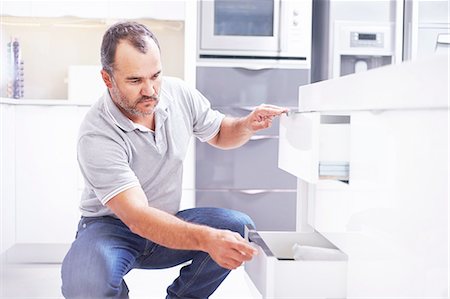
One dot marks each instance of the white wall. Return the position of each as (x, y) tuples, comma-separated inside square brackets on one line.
[(50, 45)]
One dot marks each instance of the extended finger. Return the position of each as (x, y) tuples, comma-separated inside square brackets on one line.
[(270, 110)]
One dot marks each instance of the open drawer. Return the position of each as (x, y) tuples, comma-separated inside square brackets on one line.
[(276, 274), (314, 146)]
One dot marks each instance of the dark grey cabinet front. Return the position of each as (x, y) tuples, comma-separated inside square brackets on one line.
[(251, 166), (270, 210), (248, 178), (242, 87)]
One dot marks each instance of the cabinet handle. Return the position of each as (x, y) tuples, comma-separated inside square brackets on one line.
[(443, 38), (255, 67), (255, 191), (262, 137), (253, 236)]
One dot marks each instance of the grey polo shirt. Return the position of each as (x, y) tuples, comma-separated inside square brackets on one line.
[(115, 154)]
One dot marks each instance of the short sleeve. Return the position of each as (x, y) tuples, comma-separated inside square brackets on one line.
[(104, 165), (207, 121)]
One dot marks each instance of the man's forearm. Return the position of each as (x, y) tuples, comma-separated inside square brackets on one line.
[(170, 231), (233, 133)]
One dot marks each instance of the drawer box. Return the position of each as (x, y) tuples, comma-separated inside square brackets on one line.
[(276, 274), (314, 146)]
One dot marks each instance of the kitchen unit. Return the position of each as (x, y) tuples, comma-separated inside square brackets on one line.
[(388, 214), (262, 60)]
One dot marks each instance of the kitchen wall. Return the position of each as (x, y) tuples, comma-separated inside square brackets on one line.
[(50, 45)]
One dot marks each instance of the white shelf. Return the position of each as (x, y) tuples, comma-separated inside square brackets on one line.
[(44, 102)]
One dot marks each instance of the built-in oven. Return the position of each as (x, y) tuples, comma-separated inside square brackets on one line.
[(263, 29)]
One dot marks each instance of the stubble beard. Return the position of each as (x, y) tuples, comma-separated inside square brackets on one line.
[(122, 101)]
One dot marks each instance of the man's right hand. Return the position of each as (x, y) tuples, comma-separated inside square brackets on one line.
[(228, 249)]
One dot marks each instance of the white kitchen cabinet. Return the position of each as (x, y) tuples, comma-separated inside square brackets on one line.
[(160, 10), (41, 184), (46, 173), (39, 175), (391, 217)]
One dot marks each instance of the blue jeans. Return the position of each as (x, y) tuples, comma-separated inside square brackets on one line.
[(105, 250)]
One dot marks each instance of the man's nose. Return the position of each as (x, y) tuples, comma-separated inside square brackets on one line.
[(148, 88)]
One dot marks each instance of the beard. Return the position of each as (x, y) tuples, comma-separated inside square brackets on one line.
[(130, 106)]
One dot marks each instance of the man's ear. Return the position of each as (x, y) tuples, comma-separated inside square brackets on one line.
[(106, 78)]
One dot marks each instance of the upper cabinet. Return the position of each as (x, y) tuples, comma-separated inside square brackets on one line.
[(160, 10), (60, 42)]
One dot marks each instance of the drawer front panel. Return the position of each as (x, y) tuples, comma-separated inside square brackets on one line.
[(299, 145), (273, 211), (244, 87), (252, 166), (314, 146)]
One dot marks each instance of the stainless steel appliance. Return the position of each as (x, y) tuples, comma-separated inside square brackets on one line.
[(264, 29), (359, 46)]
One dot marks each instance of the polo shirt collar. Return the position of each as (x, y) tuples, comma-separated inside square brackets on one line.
[(125, 123)]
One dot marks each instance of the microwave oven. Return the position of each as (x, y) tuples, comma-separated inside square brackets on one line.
[(261, 29)]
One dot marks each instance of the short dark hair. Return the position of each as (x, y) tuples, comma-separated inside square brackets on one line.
[(132, 32)]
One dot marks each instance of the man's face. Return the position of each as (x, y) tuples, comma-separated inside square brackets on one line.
[(136, 80)]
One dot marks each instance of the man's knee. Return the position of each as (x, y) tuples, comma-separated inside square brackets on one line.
[(238, 220), (80, 280)]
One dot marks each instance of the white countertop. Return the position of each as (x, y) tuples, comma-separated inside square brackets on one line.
[(44, 102), (421, 84)]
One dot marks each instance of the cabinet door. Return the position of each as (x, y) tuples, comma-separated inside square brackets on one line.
[(46, 174), (270, 210)]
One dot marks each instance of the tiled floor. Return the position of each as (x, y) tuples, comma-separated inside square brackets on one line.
[(43, 281)]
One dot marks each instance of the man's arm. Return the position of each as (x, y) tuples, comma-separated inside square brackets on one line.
[(234, 132), (226, 248)]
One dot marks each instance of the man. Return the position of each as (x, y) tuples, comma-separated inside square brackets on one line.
[(130, 150)]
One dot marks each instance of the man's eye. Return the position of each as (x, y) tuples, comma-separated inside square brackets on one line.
[(134, 81)]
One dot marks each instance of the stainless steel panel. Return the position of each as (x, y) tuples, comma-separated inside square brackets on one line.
[(243, 87), (252, 166), (270, 210)]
